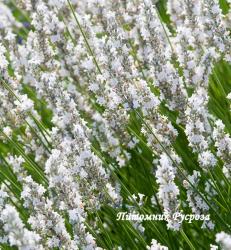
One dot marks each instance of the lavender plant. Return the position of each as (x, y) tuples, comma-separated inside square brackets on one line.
[(115, 124)]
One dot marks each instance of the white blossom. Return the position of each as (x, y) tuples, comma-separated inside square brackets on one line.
[(224, 240)]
